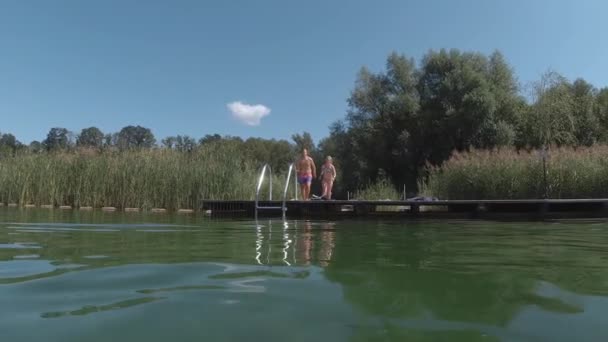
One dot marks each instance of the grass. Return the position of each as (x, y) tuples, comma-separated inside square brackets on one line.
[(383, 189), (511, 174), (153, 178)]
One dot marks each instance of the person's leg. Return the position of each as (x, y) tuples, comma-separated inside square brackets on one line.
[(307, 191), (302, 187), (330, 186), (324, 195)]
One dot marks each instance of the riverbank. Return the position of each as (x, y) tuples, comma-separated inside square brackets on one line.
[(165, 179)]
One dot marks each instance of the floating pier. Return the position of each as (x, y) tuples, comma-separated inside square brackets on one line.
[(449, 209)]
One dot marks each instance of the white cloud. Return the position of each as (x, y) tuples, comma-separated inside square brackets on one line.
[(248, 114)]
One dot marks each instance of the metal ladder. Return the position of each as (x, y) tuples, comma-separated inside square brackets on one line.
[(283, 206)]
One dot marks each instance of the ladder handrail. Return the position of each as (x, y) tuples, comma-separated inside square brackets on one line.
[(289, 171), (283, 206), (260, 181)]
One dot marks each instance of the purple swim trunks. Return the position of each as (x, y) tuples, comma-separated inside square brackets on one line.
[(305, 179)]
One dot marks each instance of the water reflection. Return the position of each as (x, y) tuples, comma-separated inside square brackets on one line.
[(289, 243), (387, 280), (302, 243), (305, 243), (286, 242), (258, 242), (490, 276), (327, 244)]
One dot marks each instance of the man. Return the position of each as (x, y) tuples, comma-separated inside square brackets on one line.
[(306, 171)]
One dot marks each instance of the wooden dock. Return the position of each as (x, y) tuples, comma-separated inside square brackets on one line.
[(452, 209)]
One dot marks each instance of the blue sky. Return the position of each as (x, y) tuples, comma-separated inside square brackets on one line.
[(175, 66)]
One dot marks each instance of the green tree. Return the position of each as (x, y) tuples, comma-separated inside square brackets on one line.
[(401, 119), (169, 142), (135, 137), (184, 143), (278, 153), (303, 141), (9, 144), (382, 122), (110, 140), (90, 137), (586, 122), (505, 134), (601, 113), (457, 100), (509, 103), (550, 119), (209, 138), (499, 128), (57, 139), (36, 147)]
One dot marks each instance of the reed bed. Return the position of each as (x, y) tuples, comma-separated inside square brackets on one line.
[(510, 174), (147, 178), (162, 178), (382, 189)]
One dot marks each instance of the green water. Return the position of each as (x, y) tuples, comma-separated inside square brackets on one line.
[(70, 276)]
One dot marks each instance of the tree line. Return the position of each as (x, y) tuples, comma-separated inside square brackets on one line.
[(413, 116), (278, 153), (402, 120)]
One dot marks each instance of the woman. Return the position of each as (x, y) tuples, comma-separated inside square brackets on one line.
[(327, 177)]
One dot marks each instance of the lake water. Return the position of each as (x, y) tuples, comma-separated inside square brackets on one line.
[(72, 276)]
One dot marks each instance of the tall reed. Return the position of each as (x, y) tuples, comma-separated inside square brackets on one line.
[(138, 178), (382, 189), (511, 174)]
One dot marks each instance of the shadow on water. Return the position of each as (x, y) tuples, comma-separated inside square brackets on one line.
[(362, 280)]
